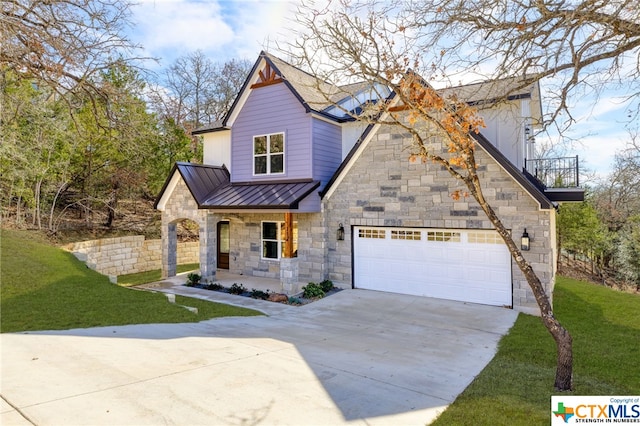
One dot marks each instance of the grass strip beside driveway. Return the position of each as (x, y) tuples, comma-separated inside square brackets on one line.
[(517, 385), (46, 288)]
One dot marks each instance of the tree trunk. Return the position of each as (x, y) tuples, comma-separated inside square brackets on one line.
[(36, 209), (111, 209), (112, 203), (61, 188), (564, 341), (18, 212)]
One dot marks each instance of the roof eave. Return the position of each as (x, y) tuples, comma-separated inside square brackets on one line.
[(210, 130), (512, 170), (165, 186)]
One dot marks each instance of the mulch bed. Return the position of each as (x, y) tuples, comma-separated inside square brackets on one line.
[(240, 290)]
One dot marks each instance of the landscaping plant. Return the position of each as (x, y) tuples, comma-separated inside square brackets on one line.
[(237, 288), (313, 291), (193, 279)]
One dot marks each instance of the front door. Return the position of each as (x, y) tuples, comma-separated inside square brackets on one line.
[(223, 245)]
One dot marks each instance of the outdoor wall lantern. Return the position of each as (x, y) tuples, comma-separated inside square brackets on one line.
[(340, 233), (524, 241)]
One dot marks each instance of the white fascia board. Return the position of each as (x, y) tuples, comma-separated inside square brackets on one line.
[(321, 117), (242, 97), (526, 191), (361, 147), (162, 204)]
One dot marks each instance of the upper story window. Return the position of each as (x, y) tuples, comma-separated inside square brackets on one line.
[(268, 154)]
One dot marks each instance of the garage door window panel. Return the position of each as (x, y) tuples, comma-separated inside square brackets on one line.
[(444, 236), (406, 235)]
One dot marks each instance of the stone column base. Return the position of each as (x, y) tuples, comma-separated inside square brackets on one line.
[(289, 275)]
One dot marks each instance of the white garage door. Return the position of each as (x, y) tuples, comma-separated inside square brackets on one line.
[(457, 264)]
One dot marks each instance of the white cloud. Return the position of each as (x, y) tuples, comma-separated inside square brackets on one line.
[(261, 25), (223, 30)]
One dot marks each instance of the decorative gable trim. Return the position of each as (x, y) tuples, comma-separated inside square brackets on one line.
[(265, 73), (267, 77)]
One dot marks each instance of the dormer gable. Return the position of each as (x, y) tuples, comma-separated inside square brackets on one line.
[(317, 97), (267, 76)]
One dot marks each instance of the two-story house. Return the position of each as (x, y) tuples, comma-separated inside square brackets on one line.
[(292, 188)]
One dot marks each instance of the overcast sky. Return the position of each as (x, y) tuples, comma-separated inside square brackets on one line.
[(225, 30)]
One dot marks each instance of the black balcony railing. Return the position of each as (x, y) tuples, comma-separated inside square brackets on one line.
[(555, 172)]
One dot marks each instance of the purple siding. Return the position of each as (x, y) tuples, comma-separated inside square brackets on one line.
[(327, 149), (271, 109)]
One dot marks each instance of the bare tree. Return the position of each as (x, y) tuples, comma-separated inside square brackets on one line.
[(64, 44), (198, 91), (194, 91), (228, 81), (351, 43), (617, 198), (578, 47)]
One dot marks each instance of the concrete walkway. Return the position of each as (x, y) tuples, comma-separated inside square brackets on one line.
[(356, 357)]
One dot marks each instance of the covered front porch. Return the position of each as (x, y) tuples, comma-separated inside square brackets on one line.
[(225, 279), (233, 246), (248, 230)]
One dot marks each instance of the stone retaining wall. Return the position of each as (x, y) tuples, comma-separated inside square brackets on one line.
[(128, 255)]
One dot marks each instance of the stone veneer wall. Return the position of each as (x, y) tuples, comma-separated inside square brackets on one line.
[(245, 242), (245, 238), (131, 254), (383, 189), (181, 205)]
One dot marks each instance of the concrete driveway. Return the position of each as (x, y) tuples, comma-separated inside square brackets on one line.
[(356, 357)]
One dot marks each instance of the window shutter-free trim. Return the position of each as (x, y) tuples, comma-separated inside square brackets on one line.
[(269, 154)]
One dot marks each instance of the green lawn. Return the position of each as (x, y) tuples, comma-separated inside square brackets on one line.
[(129, 280), (517, 385), (45, 288)]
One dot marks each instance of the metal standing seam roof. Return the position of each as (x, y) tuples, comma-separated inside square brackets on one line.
[(202, 180), (274, 195), (211, 188)]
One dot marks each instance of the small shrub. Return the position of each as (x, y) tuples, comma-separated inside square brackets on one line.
[(312, 291), (327, 286), (237, 288), (214, 287), (193, 279), (259, 294), (294, 301)]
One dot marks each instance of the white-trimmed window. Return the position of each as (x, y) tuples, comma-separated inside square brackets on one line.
[(268, 154), (273, 236)]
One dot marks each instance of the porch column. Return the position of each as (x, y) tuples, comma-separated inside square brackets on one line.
[(169, 250), (288, 263), (288, 235), (208, 239)]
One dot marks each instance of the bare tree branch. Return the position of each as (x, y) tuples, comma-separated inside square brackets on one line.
[(374, 45), (65, 44)]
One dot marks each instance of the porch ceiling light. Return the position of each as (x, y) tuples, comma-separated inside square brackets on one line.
[(525, 240), (340, 233)]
